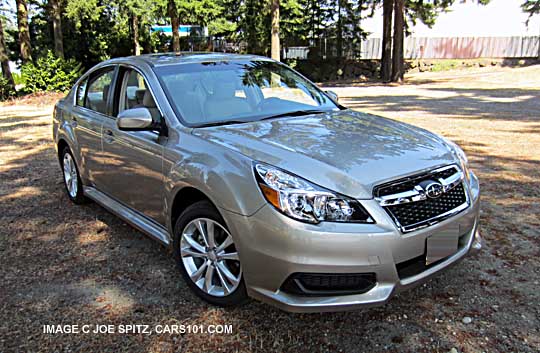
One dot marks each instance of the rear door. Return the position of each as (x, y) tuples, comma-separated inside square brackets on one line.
[(92, 107), (132, 160)]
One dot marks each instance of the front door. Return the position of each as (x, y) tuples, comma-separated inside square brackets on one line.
[(131, 161)]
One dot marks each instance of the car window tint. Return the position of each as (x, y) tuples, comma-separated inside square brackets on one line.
[(98, 91), (136, 94), (81, 91)]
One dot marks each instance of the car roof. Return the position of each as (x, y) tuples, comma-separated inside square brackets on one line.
[(162, 59)]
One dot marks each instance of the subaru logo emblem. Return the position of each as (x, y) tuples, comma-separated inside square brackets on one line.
[(433, 190)]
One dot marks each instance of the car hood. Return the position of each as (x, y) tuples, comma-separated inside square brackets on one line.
[(345, 151)]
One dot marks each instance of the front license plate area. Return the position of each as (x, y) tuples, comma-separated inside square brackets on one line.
[(442, 244)]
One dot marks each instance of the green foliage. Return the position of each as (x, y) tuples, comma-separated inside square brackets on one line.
[(6, 90), (96, 30), (221, 27), (532, 7), (50, 73), (254, 25), (17, 77), (199, 12), (292, 23)]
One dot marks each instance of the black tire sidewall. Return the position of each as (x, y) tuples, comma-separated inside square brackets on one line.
[(204, 209), (79, 197)]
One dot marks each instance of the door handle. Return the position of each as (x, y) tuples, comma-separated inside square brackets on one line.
[(108, 136)]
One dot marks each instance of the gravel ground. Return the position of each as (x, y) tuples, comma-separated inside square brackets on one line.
[(67, 264)]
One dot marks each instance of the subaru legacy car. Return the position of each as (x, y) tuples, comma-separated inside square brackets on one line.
[(262, 184)]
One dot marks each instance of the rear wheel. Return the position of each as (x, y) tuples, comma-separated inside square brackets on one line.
[(207, 256), (72, 180)]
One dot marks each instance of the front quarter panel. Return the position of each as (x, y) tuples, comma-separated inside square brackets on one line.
[(224, 176), (63, 129)]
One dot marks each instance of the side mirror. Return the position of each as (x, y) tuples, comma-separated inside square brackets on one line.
[(135, 119), (332, 95)]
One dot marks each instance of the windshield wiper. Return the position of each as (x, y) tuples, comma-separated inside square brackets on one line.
[(225, 122), (295, 113)]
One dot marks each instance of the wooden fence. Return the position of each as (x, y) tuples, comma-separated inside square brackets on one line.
[(431, 48)]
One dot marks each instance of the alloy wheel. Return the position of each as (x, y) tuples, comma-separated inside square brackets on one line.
[(210, 258), (70, 175)]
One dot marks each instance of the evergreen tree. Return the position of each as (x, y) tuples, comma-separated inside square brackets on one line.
[(532, 7), (405, 11), (195, 12), (292, 22), (4, 59), (274, 19), (24, 31), (254, 25), (56, 16)]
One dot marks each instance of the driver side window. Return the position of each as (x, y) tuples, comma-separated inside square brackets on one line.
[(135, 93)]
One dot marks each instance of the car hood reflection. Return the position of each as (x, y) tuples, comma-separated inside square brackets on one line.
[(345, 151)]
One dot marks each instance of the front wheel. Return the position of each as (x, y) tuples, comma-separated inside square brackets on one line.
[(72, 180), (207, 256)]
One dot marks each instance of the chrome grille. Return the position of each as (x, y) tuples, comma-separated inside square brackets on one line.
[(407, 201), (409, 183)]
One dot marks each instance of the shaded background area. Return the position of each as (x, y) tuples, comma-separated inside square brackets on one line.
[(67, 264)]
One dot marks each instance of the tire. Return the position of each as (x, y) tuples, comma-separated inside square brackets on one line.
[(196, 256), (70, 173)]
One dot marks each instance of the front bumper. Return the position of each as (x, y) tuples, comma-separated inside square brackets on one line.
[(272, 247)]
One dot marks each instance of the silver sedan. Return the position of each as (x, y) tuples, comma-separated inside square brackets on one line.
[(262, 184)]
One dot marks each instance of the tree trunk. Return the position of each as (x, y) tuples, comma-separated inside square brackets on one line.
[(4, 60), (24, 31), (339, 44), (57, 28), (397, 50), (386, 59), (136, 43), (313, 24), (175, 23), (275, 50)]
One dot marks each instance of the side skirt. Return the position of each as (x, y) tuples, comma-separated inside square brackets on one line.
[(138, 221)]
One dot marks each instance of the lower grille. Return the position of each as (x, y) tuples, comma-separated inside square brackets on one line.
[(316, 284)]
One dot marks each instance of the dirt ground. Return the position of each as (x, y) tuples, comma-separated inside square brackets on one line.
[(67, 264)]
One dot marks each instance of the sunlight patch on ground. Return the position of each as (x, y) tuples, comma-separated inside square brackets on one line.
[(96, 232), (25, 191)]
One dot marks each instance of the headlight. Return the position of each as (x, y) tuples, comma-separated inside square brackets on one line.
[(462, 157), (302, 200)]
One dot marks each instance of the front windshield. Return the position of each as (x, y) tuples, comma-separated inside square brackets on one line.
[(238, 91)]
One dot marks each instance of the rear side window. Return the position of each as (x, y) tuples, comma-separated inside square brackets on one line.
[(98, 91), (81, 92)]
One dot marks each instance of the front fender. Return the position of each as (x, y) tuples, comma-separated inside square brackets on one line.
[(63, 130), (226, 177)]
